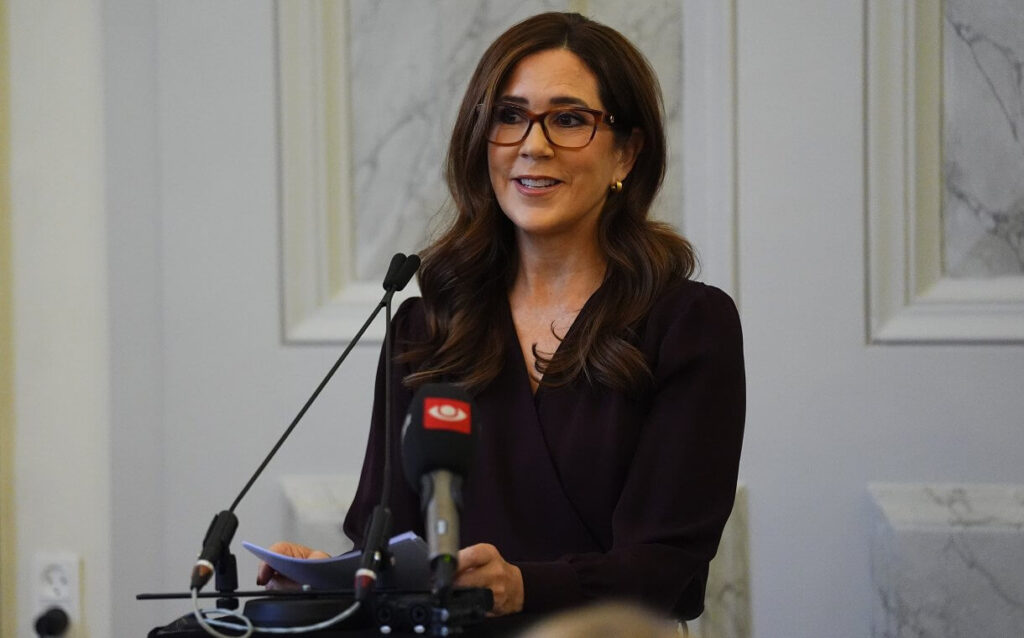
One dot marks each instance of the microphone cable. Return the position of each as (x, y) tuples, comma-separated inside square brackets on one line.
[(247, 625)]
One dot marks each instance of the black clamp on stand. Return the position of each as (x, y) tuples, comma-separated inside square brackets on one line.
[(226, 575)]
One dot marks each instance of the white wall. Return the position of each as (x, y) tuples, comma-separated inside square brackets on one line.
[(147, 258), (229, 388), (827, 413), (138, 518), (202, 385)]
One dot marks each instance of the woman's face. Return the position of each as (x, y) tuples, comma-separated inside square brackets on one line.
[(547, 190)]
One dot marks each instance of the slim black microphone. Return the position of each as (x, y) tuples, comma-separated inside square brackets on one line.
[(437, 447), (222, 529), (378, 528)]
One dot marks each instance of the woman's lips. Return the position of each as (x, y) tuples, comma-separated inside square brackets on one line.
[(530, 185)]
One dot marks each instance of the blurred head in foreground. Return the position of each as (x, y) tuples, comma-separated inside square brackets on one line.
[(610, 620)]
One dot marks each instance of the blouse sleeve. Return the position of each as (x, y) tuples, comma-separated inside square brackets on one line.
[(404, 505), (681, 484)]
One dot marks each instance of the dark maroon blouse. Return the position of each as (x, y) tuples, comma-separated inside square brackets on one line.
[(590, 493)]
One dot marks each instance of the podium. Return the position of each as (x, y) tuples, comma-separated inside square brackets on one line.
[(302, 608), (501, 627)]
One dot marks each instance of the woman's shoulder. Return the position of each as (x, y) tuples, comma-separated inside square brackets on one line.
[(410, 320), (692, 314), (413, 306), (686, 296)]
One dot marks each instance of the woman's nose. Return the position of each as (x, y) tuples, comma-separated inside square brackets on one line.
[(536, 143)]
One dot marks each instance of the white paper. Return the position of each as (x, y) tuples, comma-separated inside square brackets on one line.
[(410, 570)]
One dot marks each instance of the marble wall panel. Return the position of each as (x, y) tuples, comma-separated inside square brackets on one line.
[(983, 143), (727, 598), (947, 560), (409, 64), (656, 27)]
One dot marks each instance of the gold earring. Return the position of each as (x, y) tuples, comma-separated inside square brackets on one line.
[(616, 186)]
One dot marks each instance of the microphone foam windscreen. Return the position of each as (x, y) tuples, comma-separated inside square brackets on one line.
[(438, 433), (391, 275), (407, 271)]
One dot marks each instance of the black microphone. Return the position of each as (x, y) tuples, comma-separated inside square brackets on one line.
[(378, 529), (437, 446), (218, 537)]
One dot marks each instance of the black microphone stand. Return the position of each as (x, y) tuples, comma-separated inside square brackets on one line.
[(216, 556), (442, 611)]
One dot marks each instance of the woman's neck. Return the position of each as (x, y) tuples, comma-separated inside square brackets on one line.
[(557, 272)]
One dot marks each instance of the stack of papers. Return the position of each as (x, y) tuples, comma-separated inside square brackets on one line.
[(410, 568)]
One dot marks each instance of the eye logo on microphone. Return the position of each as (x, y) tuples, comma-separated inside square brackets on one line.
[(446, 414)]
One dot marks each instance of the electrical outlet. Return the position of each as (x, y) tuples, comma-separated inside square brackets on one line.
[(56, 576)]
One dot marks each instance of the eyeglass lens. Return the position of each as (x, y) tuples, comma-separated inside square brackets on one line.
[(568, 127)]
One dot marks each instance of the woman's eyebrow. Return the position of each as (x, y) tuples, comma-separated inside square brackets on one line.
[(558, 100), (568, 100), (515, 99)]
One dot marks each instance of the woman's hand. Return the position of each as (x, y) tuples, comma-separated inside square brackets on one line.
[(482, 566), (268, 576)]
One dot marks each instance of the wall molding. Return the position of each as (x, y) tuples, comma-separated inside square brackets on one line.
[(60, 303), (709, 135), (322, 302), (909, 299), (8, 556)]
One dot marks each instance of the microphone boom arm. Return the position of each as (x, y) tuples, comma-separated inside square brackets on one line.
[(222, 528)]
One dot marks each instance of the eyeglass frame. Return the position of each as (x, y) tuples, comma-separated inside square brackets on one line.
[(599, 115)]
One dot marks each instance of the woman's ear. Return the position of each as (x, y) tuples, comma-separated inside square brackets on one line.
[(628, 152)]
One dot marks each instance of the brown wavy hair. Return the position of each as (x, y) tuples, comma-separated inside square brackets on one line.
[(468, 271)]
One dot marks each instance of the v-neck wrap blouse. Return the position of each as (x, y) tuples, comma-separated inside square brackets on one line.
[(591, 493)]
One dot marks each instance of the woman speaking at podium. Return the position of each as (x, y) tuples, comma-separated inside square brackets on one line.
[(608, 386)]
